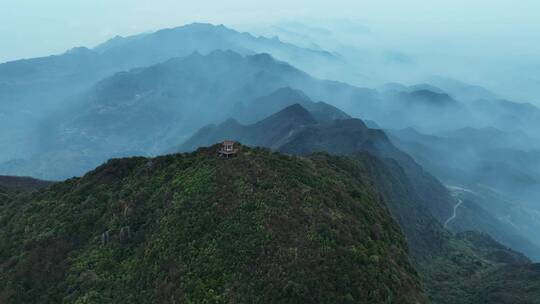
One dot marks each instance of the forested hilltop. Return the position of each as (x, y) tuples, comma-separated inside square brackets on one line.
[(196, 228)]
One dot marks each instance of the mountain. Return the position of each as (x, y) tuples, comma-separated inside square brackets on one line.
[(269, 132), (149, 108), (260, 228), (503, 160), (148, 49), (497, 185), (466, 106), (12, 186), (344, 137), (508, 115), (39, 90), (461, 268), (260, 108), (341, 137), (425, 235), (422, 107), (508, 223), (22, 183), (33, 89), (448, 264), (415, 204), (146, 110), (82, 65), (6, 194), (98, 99), (461, 90), (507, 285), (336, 137), (428, 98), (122, 226), (285, 132), (476, 269)]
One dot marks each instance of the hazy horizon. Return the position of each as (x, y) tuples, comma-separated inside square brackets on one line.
[(489, 44)]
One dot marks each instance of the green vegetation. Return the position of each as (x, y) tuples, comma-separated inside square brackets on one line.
[(467, 268), (473, 268), (511, 284), (194, 228), (11, 186), (5, 194)]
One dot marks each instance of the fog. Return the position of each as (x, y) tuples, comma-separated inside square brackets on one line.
[(501, 56), (493, 44), (455, 85)]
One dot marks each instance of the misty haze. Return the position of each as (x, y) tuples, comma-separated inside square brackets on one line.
[(243, 152)]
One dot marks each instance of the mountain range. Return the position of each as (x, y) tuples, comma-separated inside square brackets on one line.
[(167, 229), (408, 194), (119, 114), (33, 89), (294, 130), (420, 212), (492, 171), (170, 68)]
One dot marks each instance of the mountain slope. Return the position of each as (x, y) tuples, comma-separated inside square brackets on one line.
[(475, 156), (82, 65), (428, 202), (261, 107), (468, 266), (446, 263), (146, 110), (341, 137), (259, 228), (268, 132), (144, 50), (498, 185), (33, 89), (507, 285), (11, 186), (22, 183), (416, 198)]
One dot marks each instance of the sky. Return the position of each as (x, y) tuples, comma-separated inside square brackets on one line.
[(478, 31), (30, 28)]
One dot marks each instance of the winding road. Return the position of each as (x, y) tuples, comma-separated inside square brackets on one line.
[(453, 215)]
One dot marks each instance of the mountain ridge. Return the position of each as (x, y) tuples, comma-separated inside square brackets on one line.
[(167, 229)]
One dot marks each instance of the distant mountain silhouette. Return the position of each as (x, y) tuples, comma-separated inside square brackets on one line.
[(22, 183), (146, 110), (261, 107), (504, 160), (497, 174), (461, 90), (33, 89), (269, 132)]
